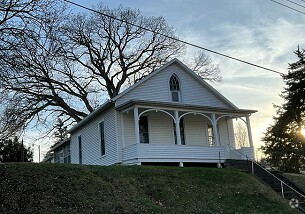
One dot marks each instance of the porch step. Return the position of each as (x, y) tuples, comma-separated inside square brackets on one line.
[(270, 180)]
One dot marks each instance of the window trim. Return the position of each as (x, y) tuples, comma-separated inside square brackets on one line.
[(148, 131), (80, 149), (213, 137), (102, 150), (177, 91)]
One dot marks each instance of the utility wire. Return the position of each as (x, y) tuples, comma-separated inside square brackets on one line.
[(174, 38), (284, 5), (295, 3)]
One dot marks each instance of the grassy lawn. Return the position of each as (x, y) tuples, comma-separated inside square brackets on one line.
[(54, 188), (298, 179)]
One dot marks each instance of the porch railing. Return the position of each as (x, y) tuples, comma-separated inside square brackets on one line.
[(173, 152)]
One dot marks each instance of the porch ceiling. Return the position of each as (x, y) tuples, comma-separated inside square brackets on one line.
[(180, 106)]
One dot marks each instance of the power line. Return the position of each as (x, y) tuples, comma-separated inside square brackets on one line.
[(296, 3), (173, 38), (291, 8)]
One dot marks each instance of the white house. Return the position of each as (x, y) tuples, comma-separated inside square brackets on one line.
[(140, 125)]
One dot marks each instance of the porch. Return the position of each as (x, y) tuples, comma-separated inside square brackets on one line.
[(149, 133), (138, 153)]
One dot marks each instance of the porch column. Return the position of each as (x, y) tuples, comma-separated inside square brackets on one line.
[(177, 126), (249, 131), (136, 124), (215, 131)]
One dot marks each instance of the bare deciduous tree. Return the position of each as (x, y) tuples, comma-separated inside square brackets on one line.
[(115, 52), (202, 64), (15, 9), (241, 134), (61, 66)]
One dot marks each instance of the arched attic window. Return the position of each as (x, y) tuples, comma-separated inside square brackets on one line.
[(174, 86)]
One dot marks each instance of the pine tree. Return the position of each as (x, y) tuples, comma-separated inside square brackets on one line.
[(60, 133), (284, 142)]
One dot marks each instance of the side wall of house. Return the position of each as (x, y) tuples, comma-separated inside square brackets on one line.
[(129, 130), (157, 89), (91, 141)]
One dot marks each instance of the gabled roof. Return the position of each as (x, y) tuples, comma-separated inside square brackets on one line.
[(58, 144), (91, 116), (190, 72), (111, 102)]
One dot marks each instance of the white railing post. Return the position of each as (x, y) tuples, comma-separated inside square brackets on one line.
[(282, 188), (136, 124), (215, 131), (177, 127), (249, 131), (137, 131), (252, 167)]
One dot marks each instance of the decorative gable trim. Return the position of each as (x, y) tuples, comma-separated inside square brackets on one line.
[(144, 79), (189, 71)]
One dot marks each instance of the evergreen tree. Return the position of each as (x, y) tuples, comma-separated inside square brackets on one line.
[(14, 151), (61, 132), (284, 141)]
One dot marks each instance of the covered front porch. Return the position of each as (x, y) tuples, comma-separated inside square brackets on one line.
[(149, 133)]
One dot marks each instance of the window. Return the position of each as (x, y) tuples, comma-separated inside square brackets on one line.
[(102, 137), (56, 157), (181, 132), (143, 128), (175, 88), (80, 155), (211, 135), (67, 158), (61, 156)]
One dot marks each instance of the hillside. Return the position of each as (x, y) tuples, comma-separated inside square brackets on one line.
[(298, 179), (53, 188)]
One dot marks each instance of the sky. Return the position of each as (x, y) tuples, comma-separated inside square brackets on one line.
[(259, 31)]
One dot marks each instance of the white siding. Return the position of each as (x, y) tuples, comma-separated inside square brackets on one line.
[(74, 148), (173, 153), (129, 129), (91, 153), (157, 89), (223, 132), (195, 130), (161, 130), (119, 133), (231, 132), (129, 153)]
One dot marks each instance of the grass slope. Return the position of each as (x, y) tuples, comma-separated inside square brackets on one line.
[(298, 179), (53, 188)]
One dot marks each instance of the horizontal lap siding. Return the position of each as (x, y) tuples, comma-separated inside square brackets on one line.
[(157, 89), (223, 132), (130, 152), (174, 151), (91, 151), (231, 133), (195, 130), (74, 148), (160, 128), (129, 129)]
